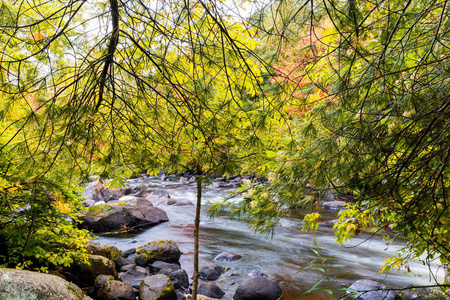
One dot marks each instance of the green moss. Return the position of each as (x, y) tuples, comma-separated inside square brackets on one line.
[(168, 290), (99, 210)]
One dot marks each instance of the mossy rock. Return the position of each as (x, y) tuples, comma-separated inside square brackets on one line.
[(98, 211), (109, 252), (86, 271), (21, 284), (160, 250)]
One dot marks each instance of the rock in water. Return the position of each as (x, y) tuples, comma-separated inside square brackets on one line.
[(378, 291), (211, 272), (227, 256), (162, 250), (258, 288), (21, 284), (107, 218), (157, 287)]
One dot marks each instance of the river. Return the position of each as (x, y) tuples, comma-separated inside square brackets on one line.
[(279, 256)]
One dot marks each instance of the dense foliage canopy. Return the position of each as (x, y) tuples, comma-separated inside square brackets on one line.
[(345, 97), (365, 86)]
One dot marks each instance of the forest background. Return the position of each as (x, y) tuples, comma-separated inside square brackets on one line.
[(348, 97)]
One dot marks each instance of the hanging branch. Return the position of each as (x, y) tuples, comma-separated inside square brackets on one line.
[(111, 48)]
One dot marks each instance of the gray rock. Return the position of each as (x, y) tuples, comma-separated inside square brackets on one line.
[(210, 289), (181, 295), (122, 261), (161, 201), (115, 289), (227, 256), (141, 260), (127, 267), (179, 278), (211, 272), (171, 202), (101, 280), (183, 203), (21, 284), (139, 191), (258, 288), (128, 252), (134, 276), (372, 290), (92, 191), (219, 184), (162, 250), (157, 287), (109, 218), (110, 195), (335, 204), (158, 265), (257, 274), (183, 179), (98, 192)]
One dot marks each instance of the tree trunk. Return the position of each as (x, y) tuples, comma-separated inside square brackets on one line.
[(196, 237)]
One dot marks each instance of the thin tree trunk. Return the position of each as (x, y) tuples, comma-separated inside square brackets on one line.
[(196, 237)]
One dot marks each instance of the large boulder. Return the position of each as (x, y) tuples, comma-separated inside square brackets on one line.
[(162, 250), (21, 284), (107, 218), (115, 289), (258, 288), (366, 289), (84, 272), (210, 289), (157, 287)]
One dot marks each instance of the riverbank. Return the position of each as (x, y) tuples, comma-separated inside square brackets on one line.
[(279, 256)]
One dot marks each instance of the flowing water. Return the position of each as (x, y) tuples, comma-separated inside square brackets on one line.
[(279, 256)]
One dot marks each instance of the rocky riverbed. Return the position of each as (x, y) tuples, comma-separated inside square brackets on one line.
[(150, 253)]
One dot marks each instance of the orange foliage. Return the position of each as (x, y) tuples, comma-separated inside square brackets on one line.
[(295, 65)]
